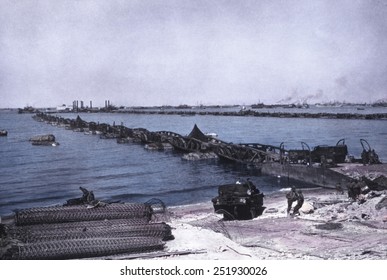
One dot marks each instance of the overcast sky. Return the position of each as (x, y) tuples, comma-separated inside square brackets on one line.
[(171, 52)]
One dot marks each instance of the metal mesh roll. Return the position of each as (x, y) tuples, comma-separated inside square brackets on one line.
[(62, 214), (85, 248), (79, 231), (79, 225), (45, 233)]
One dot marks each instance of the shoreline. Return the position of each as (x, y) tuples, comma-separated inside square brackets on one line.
[(247, 113)]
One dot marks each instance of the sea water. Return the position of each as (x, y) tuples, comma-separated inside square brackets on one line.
[(34, 176)]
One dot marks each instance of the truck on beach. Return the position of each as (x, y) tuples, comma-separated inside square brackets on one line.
[(239, 201)]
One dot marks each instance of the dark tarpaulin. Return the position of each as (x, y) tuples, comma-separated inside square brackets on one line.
[(198, 134)]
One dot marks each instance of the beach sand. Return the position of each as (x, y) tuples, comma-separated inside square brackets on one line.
[(330, 226)]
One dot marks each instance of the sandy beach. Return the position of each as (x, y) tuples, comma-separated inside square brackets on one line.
[(330, 226)]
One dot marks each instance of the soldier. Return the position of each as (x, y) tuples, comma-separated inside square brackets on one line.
[(300, 202), (351, 189), (357, 189), (354, 189), (252, 188), (291, 197)]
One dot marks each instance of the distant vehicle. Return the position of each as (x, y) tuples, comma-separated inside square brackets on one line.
[(368, 155), (334, 154), (3, 132), (239, 201)]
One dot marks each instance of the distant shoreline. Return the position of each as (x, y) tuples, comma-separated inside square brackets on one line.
[(252, 113), (215, 111)]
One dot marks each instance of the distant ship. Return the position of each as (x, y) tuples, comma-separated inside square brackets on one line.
[(330, 104), (257, 106)]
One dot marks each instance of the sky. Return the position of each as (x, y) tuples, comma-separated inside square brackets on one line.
[(174, 52)]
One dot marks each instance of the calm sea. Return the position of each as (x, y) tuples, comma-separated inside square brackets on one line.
[(32, 176)]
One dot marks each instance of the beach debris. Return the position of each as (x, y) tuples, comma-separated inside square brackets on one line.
[(307, 208), (369, 206)]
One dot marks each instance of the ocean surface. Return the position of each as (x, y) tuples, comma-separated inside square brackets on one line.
[(33, 176)]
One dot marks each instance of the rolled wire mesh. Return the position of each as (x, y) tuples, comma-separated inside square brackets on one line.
[(81, 224), (159, 210), (88, 230), (77, 231), (62, 214), (85, 248)]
